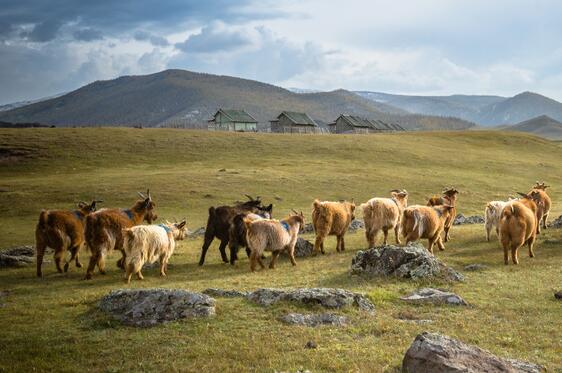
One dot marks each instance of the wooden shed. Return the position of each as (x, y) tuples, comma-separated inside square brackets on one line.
[(232, 120), (293, 122), (355, 124)]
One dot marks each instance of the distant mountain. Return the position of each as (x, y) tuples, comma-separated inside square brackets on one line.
[(183, 98), (15, 105), (483, 110), (543, 126)]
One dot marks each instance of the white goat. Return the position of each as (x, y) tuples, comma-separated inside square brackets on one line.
[(492, 216), (148, 243)]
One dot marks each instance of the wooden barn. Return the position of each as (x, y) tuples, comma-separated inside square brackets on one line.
[(355, 124), (293, 122), (232, 120)]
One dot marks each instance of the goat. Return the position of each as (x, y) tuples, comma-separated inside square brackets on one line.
[(220, 220), (517, 226), (148, 243), (273, 235), (104, 230), (237, 234), (331, 219), (449, 198), (62, 230), (425, 222), (492, 214), (385, 214), (544, 203)]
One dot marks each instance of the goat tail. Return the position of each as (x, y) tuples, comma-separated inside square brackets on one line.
[(367, 211), (419, 223), (43, 220)]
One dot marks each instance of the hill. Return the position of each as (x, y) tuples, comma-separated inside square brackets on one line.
[(183, 98), (543, 126), (483, 110), (54, 322)]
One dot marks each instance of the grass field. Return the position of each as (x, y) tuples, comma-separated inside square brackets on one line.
[(52, 324)]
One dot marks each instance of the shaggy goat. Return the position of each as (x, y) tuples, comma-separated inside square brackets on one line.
[(492, 216), (220, 221), (104, 230), (331, 219), (518, 226), (425, 222), (62, 230), (273, 235), (237, 234), (384, 214), (544, 203), (148, 243), (449, 198)]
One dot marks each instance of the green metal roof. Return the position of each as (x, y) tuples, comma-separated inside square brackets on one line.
[(376, 124), (299, 118), (238, 116)]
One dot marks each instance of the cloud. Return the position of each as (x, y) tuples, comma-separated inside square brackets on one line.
[(43, 31), (87, 34), (152, 39), (215, 38)]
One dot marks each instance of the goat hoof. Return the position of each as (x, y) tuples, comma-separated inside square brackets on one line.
[(66, 268), (78, 265)]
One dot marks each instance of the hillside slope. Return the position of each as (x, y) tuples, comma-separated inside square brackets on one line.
[(543, 126), (178, 97), (522, 107)]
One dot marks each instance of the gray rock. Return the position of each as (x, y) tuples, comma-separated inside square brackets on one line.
[(437, 353), (356, 225), (308, 228), (325, 297), (26, 250), (303, 248), (435, 296), (314, 320), (199, 232), (149, 307), (475, 267), (556, 223), (558, 295), (214, 292), (15, 261), (461, 219), (412, 261), (310, 345)]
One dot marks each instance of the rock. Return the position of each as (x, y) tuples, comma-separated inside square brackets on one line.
[(356, 225), (213, 292), (475, 267), (308, 228), (3, 295), (25, 250), (556, 223), (311, 345), (325, 297), (15, 261), (412, 261), (277, 198), (558, 295), (303, 248), (314, 319), (435, 296), (148, 307), (197, 233), (222, 170), (552, 241), (461, 219), (437, 353)]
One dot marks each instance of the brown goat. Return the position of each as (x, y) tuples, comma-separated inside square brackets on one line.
[(104, 230), (384, 214), (62, 230), (449, 198), (331, 219), (425, 222), (544, 203), (517, 226)]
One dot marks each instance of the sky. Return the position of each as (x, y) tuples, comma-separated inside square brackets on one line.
[(423, 47)]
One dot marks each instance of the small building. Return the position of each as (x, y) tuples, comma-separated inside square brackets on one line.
[(354, 124), (233, 120), (293, 122)]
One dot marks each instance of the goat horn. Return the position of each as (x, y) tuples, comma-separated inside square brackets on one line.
[(395, 191), (148, 193), (142, 195), (522, 194), (250, 198), (294, 211)]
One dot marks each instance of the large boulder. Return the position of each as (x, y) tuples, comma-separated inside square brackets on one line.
[(412, 261), (325, 297), (441, 354), (435, 296), (148, 307), (15, 257), (314, 320), (556, 223), (460, 219), (303, 248), (214, 292), (356, 225)]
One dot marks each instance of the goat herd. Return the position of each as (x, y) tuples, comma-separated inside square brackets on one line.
[(249, 224)]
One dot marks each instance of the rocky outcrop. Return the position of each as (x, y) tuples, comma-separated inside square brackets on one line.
[(325, 297), (461, 219), (441, 354), (17, 257), (303, 248), (148, 307), (314, 320), (435, 296), (214, 292), (412, 261)]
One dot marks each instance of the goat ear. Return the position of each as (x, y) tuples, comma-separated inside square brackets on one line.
[(181, 225), (524, 195), (148, 194), (269, 208), (82, 204)]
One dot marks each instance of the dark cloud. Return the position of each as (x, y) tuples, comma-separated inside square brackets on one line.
[(213, 39), (87, 34), (44, 31), (155, 40)]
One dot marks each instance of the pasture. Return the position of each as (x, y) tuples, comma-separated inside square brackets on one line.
[(53, 324)]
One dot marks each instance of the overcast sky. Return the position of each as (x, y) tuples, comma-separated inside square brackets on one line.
[(428, 47)]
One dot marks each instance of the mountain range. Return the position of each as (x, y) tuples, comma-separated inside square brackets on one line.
[(482, 110), (543, 126), (188, 99)]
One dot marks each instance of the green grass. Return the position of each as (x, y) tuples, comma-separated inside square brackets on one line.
[(53, 324)]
